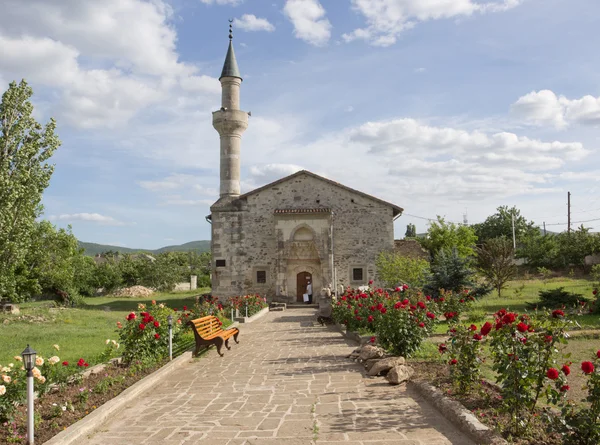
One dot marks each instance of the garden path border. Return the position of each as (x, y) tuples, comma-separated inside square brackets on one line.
[(254, 317), (451, 409), (75, 433)]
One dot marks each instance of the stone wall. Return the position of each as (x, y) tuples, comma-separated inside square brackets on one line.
[(410, 248), (249, 236)]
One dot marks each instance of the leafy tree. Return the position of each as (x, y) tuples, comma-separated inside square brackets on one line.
[(411, 231), (25, 148), (538, 249), (394, 269), (500, 224), (495, 260), (442, 235), (452, 272), (108, 275), (573, 247)]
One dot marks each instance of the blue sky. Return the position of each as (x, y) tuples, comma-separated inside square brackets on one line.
[(439, 106)]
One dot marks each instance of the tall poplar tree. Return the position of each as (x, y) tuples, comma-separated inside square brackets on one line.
[(25, 148)]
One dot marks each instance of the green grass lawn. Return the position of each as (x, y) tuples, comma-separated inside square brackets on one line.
[(80, 332), (520, 292)]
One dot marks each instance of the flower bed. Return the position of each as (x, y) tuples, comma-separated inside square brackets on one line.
[(254, 303)]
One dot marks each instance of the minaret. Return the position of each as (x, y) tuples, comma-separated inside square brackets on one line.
[(230, 122)]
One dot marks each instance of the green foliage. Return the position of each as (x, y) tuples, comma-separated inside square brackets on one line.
[(544, 273), (581, 426), (25, 148), (394, 269), (144, 337), (466, 356), (254, 303), (573, 247), (500, 225), (538, 249), (557, 298), (411, 231), (452, 272), (495, 261), (524, 350), (108, 275), (447, 236)]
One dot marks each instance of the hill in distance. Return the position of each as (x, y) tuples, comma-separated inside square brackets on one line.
[(92, 249)]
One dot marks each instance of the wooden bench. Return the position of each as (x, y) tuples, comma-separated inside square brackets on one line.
[(208, 331)]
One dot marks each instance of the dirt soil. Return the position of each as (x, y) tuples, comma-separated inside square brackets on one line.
[(59, 409), (134, 291)]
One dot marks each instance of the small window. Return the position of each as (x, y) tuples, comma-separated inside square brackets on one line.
[(220, 263), (357, 274), (261, 276)]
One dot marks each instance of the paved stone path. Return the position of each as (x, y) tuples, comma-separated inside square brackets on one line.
[(287, 382)]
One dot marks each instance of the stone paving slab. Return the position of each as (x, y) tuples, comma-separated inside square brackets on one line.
[(288, 382)]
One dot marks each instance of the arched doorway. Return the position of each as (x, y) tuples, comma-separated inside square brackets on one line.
[(302, 280)]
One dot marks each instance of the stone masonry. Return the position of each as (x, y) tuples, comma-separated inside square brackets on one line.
[(288, 382)]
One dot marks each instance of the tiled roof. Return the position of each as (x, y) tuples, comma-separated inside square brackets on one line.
[(296, 211)]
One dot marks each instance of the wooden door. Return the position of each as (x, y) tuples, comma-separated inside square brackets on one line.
[(302, 280)]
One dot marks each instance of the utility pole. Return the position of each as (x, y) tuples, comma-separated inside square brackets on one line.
[(568, 212), (513, 230), (544, 228)]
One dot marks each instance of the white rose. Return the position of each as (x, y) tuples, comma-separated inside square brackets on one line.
[(39, 361), (6, 378), (107, 341), (53, 360), (5, 369), (2, 390), (18, 358), (56, 347), (10, 365), (36, 372), (41, 379)]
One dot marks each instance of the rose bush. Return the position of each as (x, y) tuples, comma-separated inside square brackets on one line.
[(465, 354), (255, 303), (524, 352), (145, 335)]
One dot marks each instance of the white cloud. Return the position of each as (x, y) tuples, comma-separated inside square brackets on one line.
[(249, 22), (105, 62), (308, 18), (266, 173), (544, 107), (387, 19), (188, 186), (88, 217), (222, 2)]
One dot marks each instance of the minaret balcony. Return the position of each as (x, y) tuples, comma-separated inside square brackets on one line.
[(230, 121)]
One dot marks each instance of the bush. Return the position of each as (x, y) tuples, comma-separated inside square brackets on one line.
[(453, 273), (394, 269), (582, 426), (465, 355), (254, 303), (524, 351), (145, 336), (557, 298)]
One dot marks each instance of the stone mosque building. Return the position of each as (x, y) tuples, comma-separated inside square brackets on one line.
[(275, 239)]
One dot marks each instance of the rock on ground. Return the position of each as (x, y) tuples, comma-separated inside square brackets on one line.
[(399, 374), (384, 365), (369, 351), (134, 291)]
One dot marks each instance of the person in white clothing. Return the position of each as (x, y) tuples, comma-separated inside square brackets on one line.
[(309, 292)]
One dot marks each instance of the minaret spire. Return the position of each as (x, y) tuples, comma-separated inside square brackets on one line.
[(230, 122)]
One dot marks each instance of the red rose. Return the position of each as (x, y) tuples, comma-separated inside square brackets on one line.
[(565, 388), (421, 305), (358, 318), (442, 348), (598, 354), (472, 327), (156, 324), (442, 299), (185, 308), (65, 363), (587, 367), (522, 327), (431, 315), (558, 313), (595, 291), (86, 364), (383, 310), (486, 328), (370, 318), (428, 298), (355, 311), (142, 326), (421, 325), (397, 289), (157, 336), (453, 361), (566, 370), (477, 337), (548, 339), (509, 318), (373, 339), (552, 374), (501, 313), (370, 282), (81, 362), (398, 305), (499, 325), (175, 309)]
